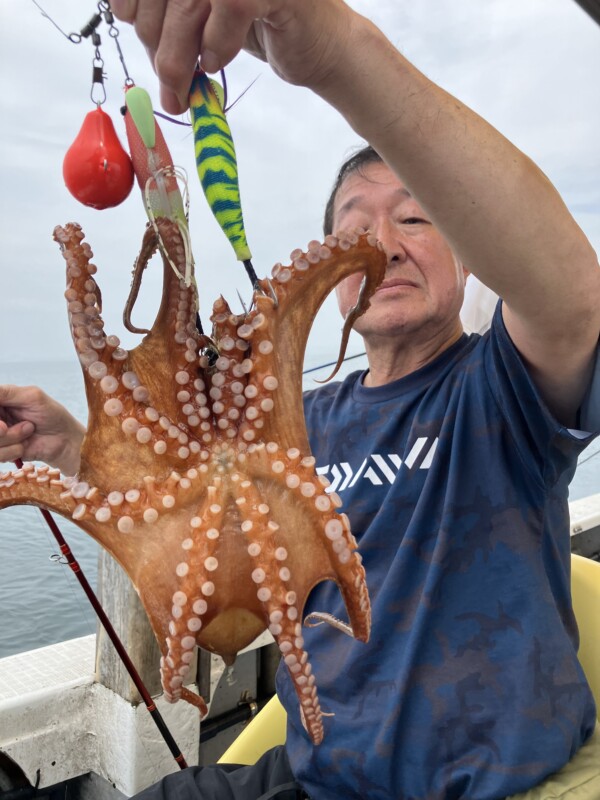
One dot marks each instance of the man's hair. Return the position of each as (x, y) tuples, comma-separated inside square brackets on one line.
[(355, 163)]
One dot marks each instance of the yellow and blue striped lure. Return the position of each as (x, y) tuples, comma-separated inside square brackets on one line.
[(216, 161)]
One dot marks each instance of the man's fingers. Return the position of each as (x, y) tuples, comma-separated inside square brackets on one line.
[(226, 31), (176, 32), (12, 452), (171, 102), (13, 440), (10, 395), (12, 434), (21, 397), (149, 22), (124, 9), (179, 47)]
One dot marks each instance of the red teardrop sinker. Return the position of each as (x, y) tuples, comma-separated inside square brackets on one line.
[(97, 170)]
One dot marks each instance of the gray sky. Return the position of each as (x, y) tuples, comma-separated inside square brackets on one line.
[(530, 67)]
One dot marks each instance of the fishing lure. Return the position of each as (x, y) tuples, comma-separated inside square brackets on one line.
[(217, 164), (156, 175)]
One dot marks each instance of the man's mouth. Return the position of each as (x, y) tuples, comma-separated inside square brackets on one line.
[(393, 283)]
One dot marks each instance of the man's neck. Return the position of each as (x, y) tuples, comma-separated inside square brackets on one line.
[(392, 359)]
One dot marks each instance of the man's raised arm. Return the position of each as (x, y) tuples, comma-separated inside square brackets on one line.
[(499, 212)]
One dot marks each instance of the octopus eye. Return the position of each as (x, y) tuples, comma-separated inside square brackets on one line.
[(211, 354)]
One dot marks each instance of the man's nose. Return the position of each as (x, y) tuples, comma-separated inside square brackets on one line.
[(391, 241)]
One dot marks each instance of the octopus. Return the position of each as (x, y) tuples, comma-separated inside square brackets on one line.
[(196, 473)]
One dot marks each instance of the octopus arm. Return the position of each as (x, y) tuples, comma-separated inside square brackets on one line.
[(127, 395), (174, 337), (39, 486), (306, 283), (149, 247), (316, 538)]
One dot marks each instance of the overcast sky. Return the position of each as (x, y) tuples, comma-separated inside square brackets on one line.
[(530, 67)]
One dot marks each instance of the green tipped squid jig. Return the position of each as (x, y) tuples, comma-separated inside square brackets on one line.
[(157, 176)]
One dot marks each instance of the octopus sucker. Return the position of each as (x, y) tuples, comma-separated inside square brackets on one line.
[(196, 472)]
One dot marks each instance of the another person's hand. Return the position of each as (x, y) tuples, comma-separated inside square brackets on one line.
[(299, 38), (34, 427)]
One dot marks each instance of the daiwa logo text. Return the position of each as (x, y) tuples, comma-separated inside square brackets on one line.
[(379, 468)]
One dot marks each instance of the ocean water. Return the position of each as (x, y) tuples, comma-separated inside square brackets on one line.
[(40, 600)]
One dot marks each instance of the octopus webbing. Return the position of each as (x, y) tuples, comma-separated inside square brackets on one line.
[(196, 472)]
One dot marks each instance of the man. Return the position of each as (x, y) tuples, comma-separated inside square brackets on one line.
[(470, 685)]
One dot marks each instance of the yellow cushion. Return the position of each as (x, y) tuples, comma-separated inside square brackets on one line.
[(585, 587), (266, 730), (577, 780)]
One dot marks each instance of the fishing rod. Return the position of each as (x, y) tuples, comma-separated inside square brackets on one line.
[(112, 635)]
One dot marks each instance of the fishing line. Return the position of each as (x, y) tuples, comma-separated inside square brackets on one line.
[(172, 119), (588, 458), (58, 28), (227, 108), (332, 363), (90, 31), (57, 558)]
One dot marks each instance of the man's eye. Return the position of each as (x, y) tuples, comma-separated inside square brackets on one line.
[(413, 221)]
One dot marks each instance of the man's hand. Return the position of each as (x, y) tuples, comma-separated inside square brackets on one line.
[(35, 427), (300, 39)]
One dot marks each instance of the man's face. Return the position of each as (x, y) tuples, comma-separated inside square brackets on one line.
[(424, 282)]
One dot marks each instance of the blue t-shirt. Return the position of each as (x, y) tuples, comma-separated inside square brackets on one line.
[(455, 481)]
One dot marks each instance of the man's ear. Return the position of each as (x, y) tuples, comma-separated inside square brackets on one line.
[(459, 264)]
